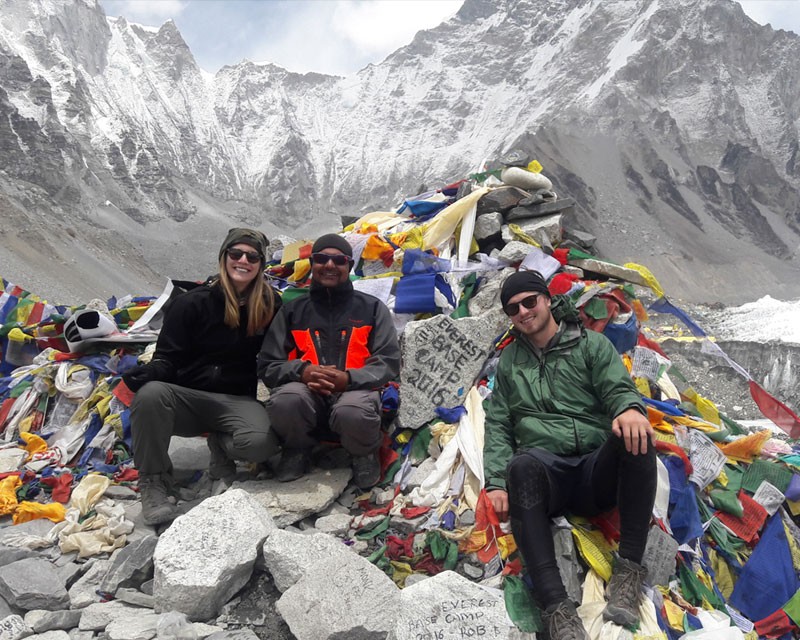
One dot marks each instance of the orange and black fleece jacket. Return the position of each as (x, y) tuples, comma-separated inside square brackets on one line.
[(332, 326)]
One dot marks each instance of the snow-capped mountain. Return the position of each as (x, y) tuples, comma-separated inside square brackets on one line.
[(673, 123)]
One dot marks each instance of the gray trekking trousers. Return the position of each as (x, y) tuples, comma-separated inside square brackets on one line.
[(161, 410), (298, 415)]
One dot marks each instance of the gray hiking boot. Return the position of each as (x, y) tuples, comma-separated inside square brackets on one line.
[(563, 623), (220, 466), (294, 464), (156, 506), (366, 471), (624, 593)]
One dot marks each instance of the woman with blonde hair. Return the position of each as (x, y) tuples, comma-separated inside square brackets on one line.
[(202, 377)]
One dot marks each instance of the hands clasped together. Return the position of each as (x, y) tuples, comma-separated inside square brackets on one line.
[(324, 379)]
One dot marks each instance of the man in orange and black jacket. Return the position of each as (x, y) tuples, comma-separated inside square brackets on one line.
[(325, 359)]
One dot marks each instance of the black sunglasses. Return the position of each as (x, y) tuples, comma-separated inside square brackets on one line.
[(339, 259), (252, 256), (529, 303)]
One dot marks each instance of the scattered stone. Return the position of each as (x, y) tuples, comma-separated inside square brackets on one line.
[(474, 571), (442, 357), (70, 573), (33, 583), (130, 566), (546, 230), (12, 554), (41, 621), (448, 605), (524, 179), (135, 597), (207, 555), (610, 270), (487, 299), (99, 615), (405, 526), (488, 226), (189, 453), (538, 197), (289, 555), (233, 634), (359, 546), (350, 598), (56, 634), (415, 578), (139, 627), (348, 497), (515, 251), (539, 210), (418, 475), (5, 609), (290, 502), (382, 496), (13, 627), (204, 630), (336, 524), (147, 587), (27, 531), (84, 591), (467, 517), (500, 200), (585, 240), (464, 189), (77, 634)]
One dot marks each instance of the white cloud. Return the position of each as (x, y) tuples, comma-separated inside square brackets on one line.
[(145, 11), (342, 36)]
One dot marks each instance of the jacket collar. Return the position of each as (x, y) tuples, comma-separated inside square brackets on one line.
[(332, 295)]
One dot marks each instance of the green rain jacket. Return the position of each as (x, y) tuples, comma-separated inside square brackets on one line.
[(563, 400)]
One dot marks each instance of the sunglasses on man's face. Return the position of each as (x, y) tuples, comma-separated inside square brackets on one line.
[(339, 259), (252, 256), (529, 303)]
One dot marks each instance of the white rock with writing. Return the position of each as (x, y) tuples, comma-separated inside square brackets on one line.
[(450, 607)]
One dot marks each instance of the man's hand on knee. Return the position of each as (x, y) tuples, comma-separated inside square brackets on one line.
[(499, 500), (635, 430)]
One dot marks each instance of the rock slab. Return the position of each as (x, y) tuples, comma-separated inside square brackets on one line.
[(208, 554), (349, 597), (450, 607), (289, 555), (33, 583), (443, 356)]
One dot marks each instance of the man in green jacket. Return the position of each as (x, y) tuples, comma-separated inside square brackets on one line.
[(566, 431)]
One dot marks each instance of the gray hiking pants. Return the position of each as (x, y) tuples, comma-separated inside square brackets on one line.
[(298, 415), (161, 410)]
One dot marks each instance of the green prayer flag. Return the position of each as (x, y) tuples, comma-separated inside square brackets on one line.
[(792, 608), (520, 605), (370, 532), (727, 501), (469, 284), (773, 472), (419, 448), (596, 308)]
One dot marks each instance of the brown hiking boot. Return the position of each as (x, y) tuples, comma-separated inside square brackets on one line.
[(156, 506), (624, 594), (563, 623), (366, 471)]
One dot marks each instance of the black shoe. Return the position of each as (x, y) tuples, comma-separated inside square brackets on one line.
[(624, 593), (366, 471), (220, 466), (294, 464), (563, 623), (156, 507)]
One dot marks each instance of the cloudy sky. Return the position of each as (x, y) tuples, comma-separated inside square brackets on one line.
[(328, 36)]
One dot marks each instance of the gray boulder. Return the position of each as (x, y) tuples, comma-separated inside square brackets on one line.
[(207, 555), (349, 597), (33, 583), (539, 210), (99, 615), (141, 626), (501, 199), (13, 627), (84, 591), (41, 621), (289, 555)]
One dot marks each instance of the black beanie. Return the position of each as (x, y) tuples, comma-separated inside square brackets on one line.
[(239, 235), (520, 282), (332, 241)]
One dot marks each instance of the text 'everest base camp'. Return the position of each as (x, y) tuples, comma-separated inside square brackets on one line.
[(260, 552)]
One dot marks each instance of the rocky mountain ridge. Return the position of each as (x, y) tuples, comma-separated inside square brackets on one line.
[(673, 123)]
